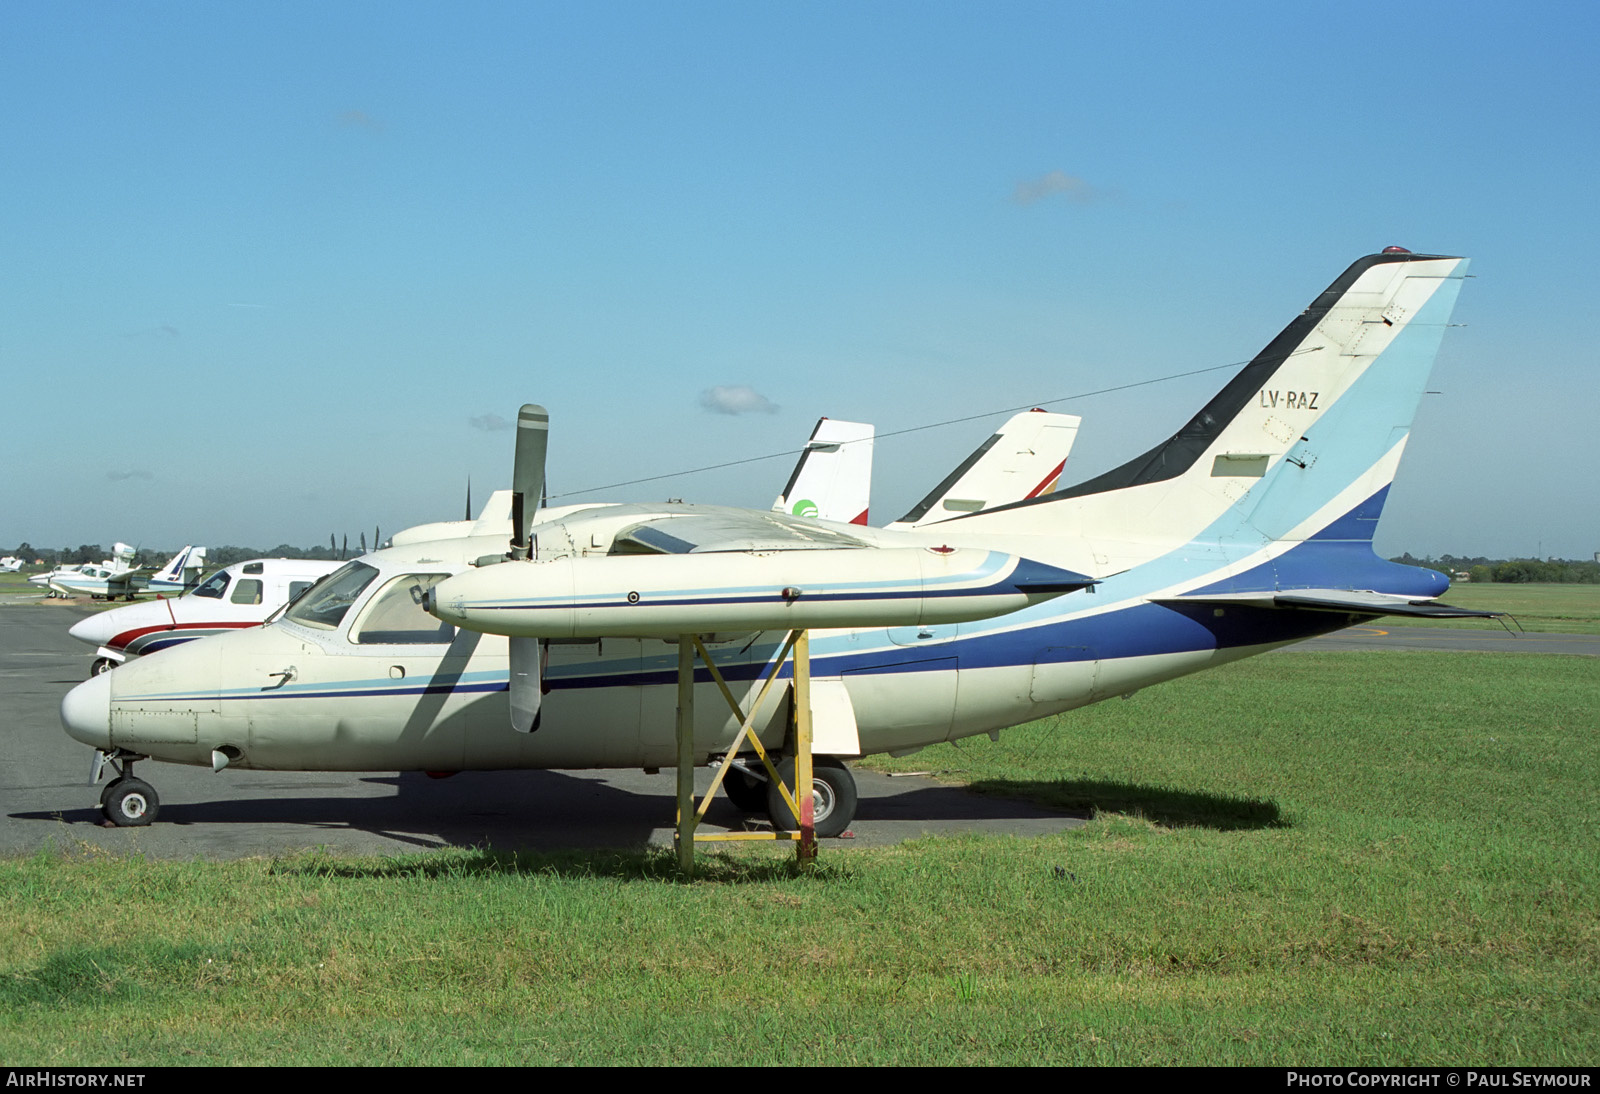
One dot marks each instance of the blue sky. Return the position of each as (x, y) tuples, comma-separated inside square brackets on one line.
[(275, 271)]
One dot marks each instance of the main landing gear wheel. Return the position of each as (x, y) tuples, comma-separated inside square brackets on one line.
[(833, 797), (745, 791), (129, 802), (101, 664)]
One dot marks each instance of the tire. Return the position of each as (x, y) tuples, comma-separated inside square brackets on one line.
[(130, 803), (833, 797), (101, 664), (745, 791)]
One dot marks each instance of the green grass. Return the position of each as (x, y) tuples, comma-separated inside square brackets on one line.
[(1563, 609), (16, 585), (1345, 858)]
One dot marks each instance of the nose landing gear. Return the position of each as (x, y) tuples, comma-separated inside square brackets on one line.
[(127, 802)]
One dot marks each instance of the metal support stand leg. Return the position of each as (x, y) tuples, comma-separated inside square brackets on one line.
[(686, 814), (806, 853)]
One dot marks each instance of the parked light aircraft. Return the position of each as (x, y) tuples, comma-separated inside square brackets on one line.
[(1250, 528), (118, 577), (104, 580), (241, 595), (10, 564)]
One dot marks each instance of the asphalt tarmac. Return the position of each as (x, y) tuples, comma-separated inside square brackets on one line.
[(46, 800)]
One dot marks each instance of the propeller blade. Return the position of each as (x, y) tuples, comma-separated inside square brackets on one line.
[(469, 499), (525, 686), (527, 473)]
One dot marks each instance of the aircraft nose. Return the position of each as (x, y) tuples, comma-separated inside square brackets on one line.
[(86, 711), (91, 629)]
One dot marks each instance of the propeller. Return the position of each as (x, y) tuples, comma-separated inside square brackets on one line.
[(527, 474), (527, 486)]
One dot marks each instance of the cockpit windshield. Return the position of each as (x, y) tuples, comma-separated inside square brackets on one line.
[(213, 586), (324, 605)]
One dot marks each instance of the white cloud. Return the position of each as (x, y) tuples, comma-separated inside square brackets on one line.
[(1071, 187), (736, 399), (489, 423), (360, 119)]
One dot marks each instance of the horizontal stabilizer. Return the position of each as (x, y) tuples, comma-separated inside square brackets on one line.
[(1353, 601)]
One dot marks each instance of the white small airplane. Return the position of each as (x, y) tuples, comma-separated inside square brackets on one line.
[(118, 577), (10, 564), (105, 580), (1250, 528), (241, 595)]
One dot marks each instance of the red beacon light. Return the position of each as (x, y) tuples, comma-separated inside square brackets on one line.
[(1396, 250)]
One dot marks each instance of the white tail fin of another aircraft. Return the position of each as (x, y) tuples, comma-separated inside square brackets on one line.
[(833, 478), (1022, 460)]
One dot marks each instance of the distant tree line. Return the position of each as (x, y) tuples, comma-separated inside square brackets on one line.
[(1517, 571)]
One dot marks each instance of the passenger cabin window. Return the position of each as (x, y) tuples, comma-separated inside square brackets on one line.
[(395, 616), (248, 591), (214, 586), (324, 607)]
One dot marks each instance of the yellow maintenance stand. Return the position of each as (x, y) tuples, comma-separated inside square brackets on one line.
[(796, 645)]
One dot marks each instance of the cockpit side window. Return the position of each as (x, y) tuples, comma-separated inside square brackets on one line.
[(395, 616), (248, 591), (324, 607), (213, 586)]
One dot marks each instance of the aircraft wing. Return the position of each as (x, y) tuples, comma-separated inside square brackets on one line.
[(731, 570), (1349, 601)]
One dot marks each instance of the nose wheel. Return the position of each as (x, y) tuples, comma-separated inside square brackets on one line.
[(127, 802)]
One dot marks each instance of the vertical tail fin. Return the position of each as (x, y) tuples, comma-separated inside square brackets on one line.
[(1304, 439), (1023, 459), (832, 480)]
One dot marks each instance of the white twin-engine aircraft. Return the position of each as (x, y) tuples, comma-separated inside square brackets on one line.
[(1250, 528)]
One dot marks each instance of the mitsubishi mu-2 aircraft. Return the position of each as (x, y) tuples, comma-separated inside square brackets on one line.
[(1248, 529)]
